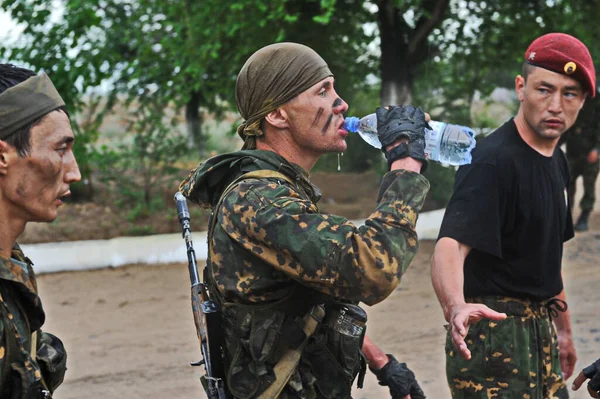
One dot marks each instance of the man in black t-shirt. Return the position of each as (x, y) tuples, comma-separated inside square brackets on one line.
[(496, 267)]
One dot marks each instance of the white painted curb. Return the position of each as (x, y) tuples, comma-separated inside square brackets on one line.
[(155, 249)]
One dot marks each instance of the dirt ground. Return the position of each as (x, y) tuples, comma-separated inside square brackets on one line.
[(130, 334)]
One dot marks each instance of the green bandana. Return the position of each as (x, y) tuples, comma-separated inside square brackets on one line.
[(271, 77), (26, 102)]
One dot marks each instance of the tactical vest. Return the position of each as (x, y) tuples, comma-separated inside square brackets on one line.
[(257, 336)]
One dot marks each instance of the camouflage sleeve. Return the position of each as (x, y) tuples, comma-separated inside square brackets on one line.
[(327, 252)]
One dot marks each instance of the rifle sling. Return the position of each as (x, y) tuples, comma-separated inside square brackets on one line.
[(289, 360)]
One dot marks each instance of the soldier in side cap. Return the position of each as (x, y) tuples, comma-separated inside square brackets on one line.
[(276, 262), (496, 267), (36, 168), (583, 146)]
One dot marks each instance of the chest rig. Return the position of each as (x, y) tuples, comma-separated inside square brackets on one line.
[(264, 344)]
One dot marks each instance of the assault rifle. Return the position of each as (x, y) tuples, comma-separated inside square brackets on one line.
[(206, 314)]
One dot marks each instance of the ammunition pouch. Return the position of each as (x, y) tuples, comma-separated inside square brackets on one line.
[(257, 336), (335, 352)]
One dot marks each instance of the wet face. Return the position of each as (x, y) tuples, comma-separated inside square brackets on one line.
[(33, 186), (550, 102), (316, 119)]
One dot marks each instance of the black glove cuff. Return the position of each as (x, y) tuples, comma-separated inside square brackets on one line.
[(403, 150), (399, 388), (381, 373), (590, 370)]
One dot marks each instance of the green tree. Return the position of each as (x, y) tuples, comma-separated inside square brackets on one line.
[(140, 170), (482, 47), (433, 52)]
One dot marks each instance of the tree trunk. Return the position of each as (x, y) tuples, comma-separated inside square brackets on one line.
[(193, 120), (396, 67), (404, 48), (396, 86)]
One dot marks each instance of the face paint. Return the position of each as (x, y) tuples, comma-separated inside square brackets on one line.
[(324, 130), (314, 123), (318, 117), (336, 103)]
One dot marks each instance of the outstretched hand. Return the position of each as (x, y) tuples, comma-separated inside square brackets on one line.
[(461, 318)]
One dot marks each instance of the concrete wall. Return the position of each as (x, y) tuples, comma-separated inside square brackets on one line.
[(155, 249)]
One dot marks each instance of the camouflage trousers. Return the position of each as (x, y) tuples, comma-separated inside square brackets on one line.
[(589, 173), (513, 358)]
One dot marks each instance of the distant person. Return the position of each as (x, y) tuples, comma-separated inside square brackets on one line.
[(583, 144), (36, 168), (276, 261), (591, 372), (500, 245)]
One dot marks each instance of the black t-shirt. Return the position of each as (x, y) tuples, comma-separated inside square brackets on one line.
[(510, 206)]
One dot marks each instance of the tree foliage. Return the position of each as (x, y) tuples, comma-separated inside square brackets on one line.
[(187, 53), (481, 46)]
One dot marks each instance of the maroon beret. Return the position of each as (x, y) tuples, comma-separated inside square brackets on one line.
[(562, 53)]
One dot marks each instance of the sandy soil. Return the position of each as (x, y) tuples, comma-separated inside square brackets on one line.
[(130, 333)]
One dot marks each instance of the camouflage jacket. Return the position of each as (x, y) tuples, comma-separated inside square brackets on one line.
[(584, 135), (23, 375), (270, 237)]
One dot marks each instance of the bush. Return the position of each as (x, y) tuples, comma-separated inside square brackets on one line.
[(138, 172)]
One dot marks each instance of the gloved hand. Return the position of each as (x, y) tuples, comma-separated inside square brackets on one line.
[(400, 379), (52, 358), (399, 122), (593, 373)]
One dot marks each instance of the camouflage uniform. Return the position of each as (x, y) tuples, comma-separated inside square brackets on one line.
[(507, 351), (581, 139), (24, 375), (274, 254)]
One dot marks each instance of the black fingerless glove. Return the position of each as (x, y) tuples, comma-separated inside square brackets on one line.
[(400, 122), (52, 358), (400, 379), (593, 373)]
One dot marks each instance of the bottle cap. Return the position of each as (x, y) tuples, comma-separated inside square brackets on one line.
[(351, 124)]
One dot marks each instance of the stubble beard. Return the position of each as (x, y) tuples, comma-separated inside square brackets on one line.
[(551, 135)]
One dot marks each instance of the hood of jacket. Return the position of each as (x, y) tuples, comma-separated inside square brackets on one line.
[(205, 183)]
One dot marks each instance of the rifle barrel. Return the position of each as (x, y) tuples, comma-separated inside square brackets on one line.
[(215, 388)]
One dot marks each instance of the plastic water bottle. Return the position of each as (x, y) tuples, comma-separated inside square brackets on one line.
[(445, 143)]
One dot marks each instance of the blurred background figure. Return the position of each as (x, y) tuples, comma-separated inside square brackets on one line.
[(582, 154)]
